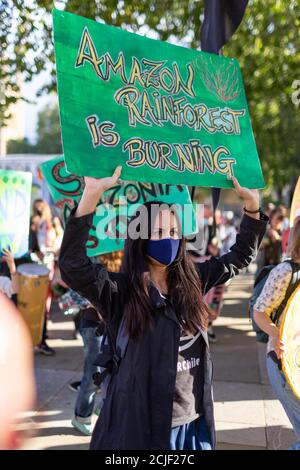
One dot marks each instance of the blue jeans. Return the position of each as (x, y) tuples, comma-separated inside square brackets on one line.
[(191, 436), (87, 393), (287, 398)]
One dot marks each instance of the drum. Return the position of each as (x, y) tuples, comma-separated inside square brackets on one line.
[(290, 335), (33, 292)]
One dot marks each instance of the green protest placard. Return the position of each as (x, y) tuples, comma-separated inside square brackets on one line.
[(15, 191), (167, 114), (117, 204)]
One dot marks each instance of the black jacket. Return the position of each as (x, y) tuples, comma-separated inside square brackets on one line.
[(137, 413)]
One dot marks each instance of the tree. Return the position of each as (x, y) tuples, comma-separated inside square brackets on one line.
[(267, 45), (26, 44), (48, 135), (48, 131), (21, 51), (20, 146)]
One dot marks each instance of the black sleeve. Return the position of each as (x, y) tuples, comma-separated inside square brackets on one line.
[(90, 280), (33, 242), (217, 271)]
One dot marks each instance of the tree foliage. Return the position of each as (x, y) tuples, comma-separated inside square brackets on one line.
[(48, 131), (16, 146), (267, 45), (22, 53), (48, 135)]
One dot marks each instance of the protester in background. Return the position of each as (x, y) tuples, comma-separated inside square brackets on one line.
[(160, 395), (221, 240), (285, 241), (91, 329), (270, 299), (17, 390), (285, 233), (272, 241), (8, 274), (209, 247), (214, 297), (270, 208), (33, 239), (227, 233), (217, 229), (47, 233), (286, 216), (42, 217), (112, 261), (208, 227)]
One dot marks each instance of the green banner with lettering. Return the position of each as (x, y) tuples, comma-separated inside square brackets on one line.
[(166, 113), (15, 192), (116, 205)]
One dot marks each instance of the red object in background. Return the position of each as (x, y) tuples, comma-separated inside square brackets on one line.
[(285, 240), (39, 174)]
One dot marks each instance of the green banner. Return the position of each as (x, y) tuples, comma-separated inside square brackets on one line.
[(167, 114), (15, 190), (117, 204)]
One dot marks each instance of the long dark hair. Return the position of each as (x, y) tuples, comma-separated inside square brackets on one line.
[(183, 281)]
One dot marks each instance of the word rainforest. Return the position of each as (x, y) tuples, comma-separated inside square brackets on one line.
[(152, 108)]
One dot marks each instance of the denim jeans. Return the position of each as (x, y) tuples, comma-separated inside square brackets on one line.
[(87, 393), (191, 436), (287, 398)]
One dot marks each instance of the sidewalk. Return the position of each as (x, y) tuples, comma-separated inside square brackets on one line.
[(247, 414)]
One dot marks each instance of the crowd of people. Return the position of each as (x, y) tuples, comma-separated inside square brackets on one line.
[(164, 300)]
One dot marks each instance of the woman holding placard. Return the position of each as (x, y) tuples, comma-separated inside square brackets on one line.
[(160, 392)]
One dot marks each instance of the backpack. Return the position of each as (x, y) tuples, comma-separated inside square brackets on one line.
[(110, 356), (259, 283)]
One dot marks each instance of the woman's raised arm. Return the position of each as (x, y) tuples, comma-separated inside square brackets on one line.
[(91, 280), (253, 226)]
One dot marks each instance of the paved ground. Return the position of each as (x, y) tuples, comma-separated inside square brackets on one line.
[(247, 414)]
